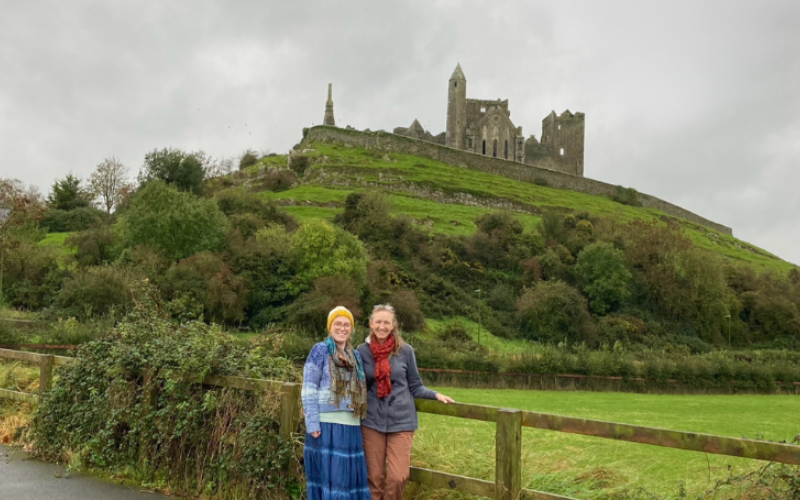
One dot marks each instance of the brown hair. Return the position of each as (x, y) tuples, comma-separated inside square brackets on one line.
[(398, 339)]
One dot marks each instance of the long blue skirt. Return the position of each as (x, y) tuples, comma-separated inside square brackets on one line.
[(335, 465)]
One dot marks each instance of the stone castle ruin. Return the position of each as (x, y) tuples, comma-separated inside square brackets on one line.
[(484, 127), (481, 136)]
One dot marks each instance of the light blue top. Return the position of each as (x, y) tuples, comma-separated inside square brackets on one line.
[(316, 393)]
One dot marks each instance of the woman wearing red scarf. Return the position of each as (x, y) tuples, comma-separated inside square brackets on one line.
[(393, 382)]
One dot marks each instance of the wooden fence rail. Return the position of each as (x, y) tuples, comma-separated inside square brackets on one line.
[(508, 439)]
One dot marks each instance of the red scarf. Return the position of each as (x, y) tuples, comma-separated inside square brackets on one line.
[(383, 370)]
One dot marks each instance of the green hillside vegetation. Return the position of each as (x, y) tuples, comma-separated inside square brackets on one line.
[(334, 165), (542, 273)]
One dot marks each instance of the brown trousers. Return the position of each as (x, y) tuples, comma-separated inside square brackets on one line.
[(388, 462)]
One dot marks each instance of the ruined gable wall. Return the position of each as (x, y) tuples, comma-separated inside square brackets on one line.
[(565, 132), (385, 141)]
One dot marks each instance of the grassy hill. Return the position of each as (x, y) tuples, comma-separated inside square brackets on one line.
[(448, 199)]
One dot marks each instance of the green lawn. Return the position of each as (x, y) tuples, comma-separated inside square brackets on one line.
[(497, 345), (58, 240), (596, 468)]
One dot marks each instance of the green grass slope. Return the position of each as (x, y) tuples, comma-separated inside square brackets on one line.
[(448, 199)]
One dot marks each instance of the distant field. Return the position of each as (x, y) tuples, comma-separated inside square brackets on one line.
[(595, 468)]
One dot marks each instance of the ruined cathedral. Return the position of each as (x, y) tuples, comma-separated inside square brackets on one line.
[(484, 127)]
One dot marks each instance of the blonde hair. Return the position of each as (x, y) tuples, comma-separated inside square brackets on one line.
[(398, 338)]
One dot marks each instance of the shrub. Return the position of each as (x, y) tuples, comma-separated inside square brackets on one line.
[(603, 275), (177, 224), (246, 224), (626, 196), (553, 310), (299, 164), (278, 179), (96, 291), (79, 219), (772, 317), (266, 266), (557, 264), (454, 331), (31, 274), (240, 202), (406, 306), (321, 249), (498, 240), (248, 159), (95, 246), (100, 412), (502, 298), (185, 171), (205, 279), (310, 310), (621, 327)]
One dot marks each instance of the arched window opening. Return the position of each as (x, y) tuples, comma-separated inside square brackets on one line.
[(494, 148), (484, 147), (506, 149), (562, 151)]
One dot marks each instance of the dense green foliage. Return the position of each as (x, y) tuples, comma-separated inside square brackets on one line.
[(548, 273), (67, 194), (221, 443), (601, 270), (183, 170), (175, 223)]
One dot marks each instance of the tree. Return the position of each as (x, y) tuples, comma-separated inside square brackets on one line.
[(325, 250), (175, 223), (553, 310), (603, 275), (207, 280), (682, 282), (248, 159), (67, 194), (183, 170), (109, 182)]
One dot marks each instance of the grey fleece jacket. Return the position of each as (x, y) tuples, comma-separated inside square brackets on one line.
[(396, 412)]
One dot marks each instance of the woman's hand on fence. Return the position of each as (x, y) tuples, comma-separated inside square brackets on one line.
[(316, 434), (444, 399)]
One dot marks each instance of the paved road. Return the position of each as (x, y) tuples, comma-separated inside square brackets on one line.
[(23, 479)]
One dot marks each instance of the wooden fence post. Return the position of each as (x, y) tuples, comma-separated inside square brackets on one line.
[(508, 454), (45, 373), (290, 409)]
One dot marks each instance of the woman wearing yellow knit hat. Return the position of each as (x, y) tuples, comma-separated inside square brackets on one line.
[(335, 400)]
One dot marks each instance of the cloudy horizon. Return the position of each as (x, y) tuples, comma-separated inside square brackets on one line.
[(695, 103)]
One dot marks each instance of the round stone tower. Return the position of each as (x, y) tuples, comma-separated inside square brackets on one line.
[(456, 109)]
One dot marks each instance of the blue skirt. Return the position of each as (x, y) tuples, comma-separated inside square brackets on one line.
[(335, 465)]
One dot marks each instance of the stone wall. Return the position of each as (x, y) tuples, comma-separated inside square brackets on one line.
[(385, 141)]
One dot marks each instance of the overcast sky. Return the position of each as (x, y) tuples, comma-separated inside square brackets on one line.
[(696, 102)]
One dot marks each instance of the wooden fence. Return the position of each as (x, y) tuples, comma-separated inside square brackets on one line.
[(508, 470)]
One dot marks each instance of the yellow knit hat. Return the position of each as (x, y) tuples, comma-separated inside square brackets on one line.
[(340, 311)]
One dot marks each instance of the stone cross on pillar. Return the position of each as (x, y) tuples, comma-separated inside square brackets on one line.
[(329, 120)]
